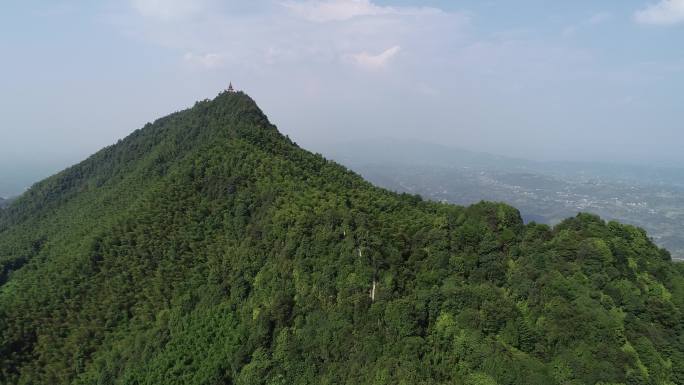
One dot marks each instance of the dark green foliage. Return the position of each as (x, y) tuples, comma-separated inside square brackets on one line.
[(206, 248)]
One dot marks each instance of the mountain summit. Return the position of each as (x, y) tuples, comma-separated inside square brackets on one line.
[(207, 248)]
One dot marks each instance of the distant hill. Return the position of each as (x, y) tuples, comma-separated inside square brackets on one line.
[(17, 178), (207, 248), (381, 151)]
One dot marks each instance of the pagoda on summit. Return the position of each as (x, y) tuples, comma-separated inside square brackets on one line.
[(230, 87)]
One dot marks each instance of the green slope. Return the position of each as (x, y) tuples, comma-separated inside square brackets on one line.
[(207, 248)]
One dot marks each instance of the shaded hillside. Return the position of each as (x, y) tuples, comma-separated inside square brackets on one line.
[(206, 248)]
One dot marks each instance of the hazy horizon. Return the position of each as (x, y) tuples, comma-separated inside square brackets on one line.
[(578, 81), (18, 180)]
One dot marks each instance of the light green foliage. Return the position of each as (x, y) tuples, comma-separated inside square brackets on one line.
[(206, 248)]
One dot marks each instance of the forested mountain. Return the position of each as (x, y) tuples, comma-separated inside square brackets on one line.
[(206, 248), (3, 202)]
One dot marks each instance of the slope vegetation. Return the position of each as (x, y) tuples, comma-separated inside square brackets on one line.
[(206, 248)]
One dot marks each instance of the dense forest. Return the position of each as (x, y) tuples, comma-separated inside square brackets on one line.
[(207, 248)]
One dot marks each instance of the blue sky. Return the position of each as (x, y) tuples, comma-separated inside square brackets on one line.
[(562, 80)]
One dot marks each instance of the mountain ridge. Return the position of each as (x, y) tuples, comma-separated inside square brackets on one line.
[(207, 248)]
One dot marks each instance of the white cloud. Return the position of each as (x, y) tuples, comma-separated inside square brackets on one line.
[(322, 11), (208, 61), (599, 18), (569, 31), (168, 9), (427, 89), (666, 12), (338, 10), (368, 61), (294, 33), (594, 20)]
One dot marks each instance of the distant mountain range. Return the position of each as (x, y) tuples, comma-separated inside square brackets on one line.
[(546, 192), (419, 153)]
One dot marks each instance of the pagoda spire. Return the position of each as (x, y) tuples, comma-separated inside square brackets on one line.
[(230, 87)]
